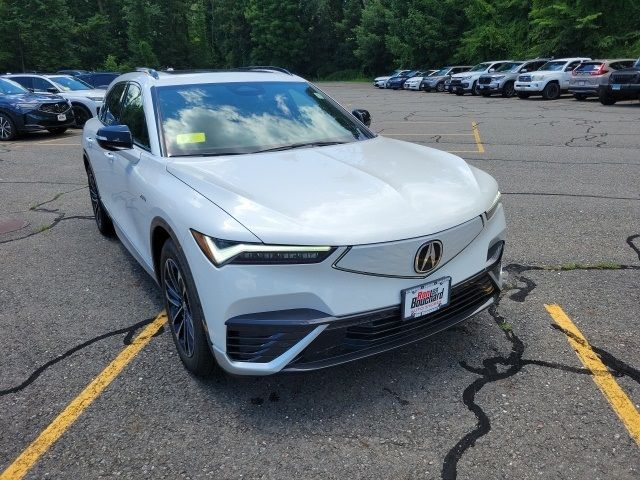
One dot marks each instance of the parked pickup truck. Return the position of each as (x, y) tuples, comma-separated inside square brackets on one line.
[(623, 85), (550, 80)]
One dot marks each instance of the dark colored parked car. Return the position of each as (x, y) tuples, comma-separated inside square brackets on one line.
[(23, 111), (623, 85), (397, 82), (73, 73), (99, 79)]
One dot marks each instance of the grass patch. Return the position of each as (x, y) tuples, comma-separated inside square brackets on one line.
[(43, 228), (505, 327)]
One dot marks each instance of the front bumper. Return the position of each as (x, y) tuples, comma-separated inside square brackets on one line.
[(529, 87), (321, 341), (35, 121), (312, 299), (493, 87)]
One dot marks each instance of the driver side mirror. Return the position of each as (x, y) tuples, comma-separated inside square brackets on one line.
[(115, 137), (53, 90), (491, 70), (363, 115)]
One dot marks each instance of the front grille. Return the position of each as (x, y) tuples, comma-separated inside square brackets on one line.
[(524, 78), (386, 329), (485, 80), (456, 81), (623, 78), (59, 107)]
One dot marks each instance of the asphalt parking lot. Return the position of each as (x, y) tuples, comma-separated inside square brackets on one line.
[(505, 395)]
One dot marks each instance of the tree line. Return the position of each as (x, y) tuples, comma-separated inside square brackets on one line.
[(316, 38)]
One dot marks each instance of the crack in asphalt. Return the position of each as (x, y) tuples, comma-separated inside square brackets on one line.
[(61, 216), (127, 339), (514, 362)]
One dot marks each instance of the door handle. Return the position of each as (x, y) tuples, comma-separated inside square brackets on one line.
[(110, 156)]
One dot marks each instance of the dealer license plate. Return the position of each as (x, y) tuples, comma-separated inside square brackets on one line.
[(615, 87), (62, 117), (581, 83), (426, 298)]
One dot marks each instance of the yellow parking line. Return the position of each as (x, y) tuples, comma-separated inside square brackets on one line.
[(620, 402), (30, 455), (476, 134)]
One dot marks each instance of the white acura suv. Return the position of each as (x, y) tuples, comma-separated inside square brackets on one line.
[(284, 234)]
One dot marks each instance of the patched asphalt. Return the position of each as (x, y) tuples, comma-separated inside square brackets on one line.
[(501, 396)]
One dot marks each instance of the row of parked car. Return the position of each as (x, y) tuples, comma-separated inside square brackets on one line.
[(54, 102), (610, 80)]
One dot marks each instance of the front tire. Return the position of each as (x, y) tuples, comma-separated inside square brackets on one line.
[(81, 114), (606, 98), (551, 91), (475, 89), (508, 90), (440, 87), (103, 221), (184, 311), (7, 128)]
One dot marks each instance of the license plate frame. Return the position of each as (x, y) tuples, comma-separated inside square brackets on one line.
[(410, 293), (616, 86)]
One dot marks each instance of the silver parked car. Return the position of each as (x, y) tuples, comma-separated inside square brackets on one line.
[(503, 79), (437, 80), (588, 76)]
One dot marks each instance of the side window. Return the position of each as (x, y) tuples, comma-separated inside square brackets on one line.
[(41, 85), (572, 65), (24, 81), (110, 113), (132, 115)]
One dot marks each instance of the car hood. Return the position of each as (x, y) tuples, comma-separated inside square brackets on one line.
[(379, 79), (468, 74), (357, 193), (30, 97), (96, 92)]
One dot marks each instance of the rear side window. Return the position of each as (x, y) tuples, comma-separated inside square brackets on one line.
[(24, 81), (132, 115), (622, 64), (110, 113)]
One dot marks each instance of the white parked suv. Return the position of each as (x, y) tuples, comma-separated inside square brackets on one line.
[(85, 100), (280, 232), (550, 80), (467, 82)]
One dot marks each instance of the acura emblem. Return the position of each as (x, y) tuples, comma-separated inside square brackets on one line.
[(428, 256)]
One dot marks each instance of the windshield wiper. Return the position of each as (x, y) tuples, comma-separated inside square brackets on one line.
[(298, 145)]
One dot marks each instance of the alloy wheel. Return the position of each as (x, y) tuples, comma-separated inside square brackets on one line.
[(180, 316), (6, 129)]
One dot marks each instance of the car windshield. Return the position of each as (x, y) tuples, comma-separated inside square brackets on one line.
[(9, 87), (509, 67), (413, 73), (70, 84), (441, 73), (553, 66), (251, 117), (480, 67)]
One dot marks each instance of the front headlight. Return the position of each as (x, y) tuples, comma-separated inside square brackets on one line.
[(537, 78), (466, 78), (96, 99), (497, 201), (222, 252), (28, 106)]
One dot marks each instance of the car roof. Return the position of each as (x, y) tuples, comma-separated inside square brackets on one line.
[(151, 77)]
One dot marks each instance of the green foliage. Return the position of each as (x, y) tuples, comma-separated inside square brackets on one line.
[(317, 38)]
